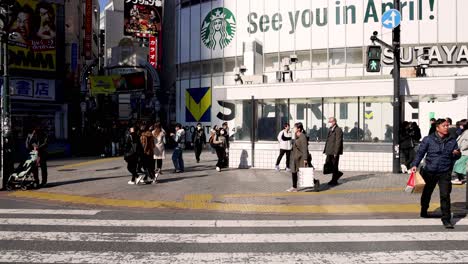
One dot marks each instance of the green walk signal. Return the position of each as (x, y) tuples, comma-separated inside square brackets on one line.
[(373, 58)]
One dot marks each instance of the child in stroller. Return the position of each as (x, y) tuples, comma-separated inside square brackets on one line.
[(24, 175)]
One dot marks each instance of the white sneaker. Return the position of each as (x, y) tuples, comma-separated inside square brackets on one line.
[(457, 182), (277, 168), (218, 169), (155, 178), (139, 179), (403, 168), (131, 182), (292, 189), (288, 169)]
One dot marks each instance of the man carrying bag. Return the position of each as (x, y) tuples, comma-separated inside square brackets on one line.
[(441, 152)]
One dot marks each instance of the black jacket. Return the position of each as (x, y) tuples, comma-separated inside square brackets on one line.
[(334, 144)]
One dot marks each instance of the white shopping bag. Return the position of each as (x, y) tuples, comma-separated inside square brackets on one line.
[(305, 177)]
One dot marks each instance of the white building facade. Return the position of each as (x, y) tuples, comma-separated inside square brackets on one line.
[(321, 46)]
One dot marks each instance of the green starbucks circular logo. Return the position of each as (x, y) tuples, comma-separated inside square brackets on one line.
[(218, 28)]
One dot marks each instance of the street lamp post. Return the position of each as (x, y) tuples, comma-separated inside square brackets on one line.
[(5, 103)]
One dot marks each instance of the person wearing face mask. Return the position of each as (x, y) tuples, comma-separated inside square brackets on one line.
[(300, 154), (333, 150), (198, 141), (220, 143)]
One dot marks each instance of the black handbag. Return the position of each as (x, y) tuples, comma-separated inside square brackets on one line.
[(327, 168)]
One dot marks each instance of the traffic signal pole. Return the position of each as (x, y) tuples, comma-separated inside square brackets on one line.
[(397, 99)]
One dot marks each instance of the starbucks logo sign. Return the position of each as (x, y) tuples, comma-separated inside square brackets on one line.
[(218, 28)]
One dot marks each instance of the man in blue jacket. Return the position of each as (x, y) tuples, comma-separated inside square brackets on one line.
[(441, 152)]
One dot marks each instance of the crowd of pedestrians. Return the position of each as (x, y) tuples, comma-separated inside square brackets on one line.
[(144, 149)]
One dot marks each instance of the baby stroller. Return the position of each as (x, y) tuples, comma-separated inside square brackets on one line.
[(23, 176)]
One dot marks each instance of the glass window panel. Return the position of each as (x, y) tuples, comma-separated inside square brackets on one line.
[(230, 64), (218, 66), (271, 114), (303, 60), (185, 70), (242, 119), (376, 119), (206, 67), (336, 57), (271, 62), (354, 56), (195, 69), (319, 58)]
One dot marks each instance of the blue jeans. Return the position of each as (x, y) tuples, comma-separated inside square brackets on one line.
[(177, 159)]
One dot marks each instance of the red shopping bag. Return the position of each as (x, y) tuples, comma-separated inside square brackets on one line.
[(410, 184)]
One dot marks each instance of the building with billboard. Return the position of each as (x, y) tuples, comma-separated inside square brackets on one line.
[(259, 63)]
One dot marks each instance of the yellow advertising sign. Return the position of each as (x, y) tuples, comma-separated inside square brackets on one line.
[(32, 42), (107, 84)]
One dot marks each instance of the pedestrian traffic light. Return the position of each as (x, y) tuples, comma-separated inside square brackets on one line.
[(373, 58)]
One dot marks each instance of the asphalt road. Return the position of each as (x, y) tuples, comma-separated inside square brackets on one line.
[(68, 222), (66, 235)]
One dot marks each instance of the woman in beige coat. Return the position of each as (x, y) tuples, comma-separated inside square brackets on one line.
[(159, 149)]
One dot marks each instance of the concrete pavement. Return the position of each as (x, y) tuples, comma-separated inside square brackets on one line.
[(103, 182)]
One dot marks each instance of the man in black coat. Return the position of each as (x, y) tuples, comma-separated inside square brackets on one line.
[(333, 150)]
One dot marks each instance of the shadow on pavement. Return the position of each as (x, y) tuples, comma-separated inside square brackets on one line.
[(109, 169), (167, 180), (357, 178), (55, 184)]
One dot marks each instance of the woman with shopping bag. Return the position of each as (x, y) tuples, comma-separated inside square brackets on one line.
[(441, 152), (299, 154)]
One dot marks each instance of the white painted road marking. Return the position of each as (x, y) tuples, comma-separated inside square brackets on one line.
[(232, 238), (228, 223), (445, 256), (49, 211)]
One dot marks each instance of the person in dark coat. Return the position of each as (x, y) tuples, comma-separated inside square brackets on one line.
[(198, 141), (133, 150), (333, 150), (441, 152), (299, 154), (433, 128)]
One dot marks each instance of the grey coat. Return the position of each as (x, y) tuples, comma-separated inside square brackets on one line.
[(299, 154), (334, 145)]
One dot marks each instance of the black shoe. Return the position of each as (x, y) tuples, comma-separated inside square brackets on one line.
[(333, 183), (198, 161), (447, 224), (424, 214), (316, 185)]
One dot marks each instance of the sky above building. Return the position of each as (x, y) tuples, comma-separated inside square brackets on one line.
[(102, 4)]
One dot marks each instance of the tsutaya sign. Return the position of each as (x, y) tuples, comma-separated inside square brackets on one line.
[(341, 12), (455, 54)]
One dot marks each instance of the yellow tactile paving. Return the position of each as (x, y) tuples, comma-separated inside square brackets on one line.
[(90, 162), (227, 207)]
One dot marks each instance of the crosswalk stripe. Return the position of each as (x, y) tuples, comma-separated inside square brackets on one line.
[(227, 223), (49, 211), (423, 256), (232, 238)]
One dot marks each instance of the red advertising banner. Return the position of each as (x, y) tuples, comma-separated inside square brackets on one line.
[(153, 51), (88, 46)]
